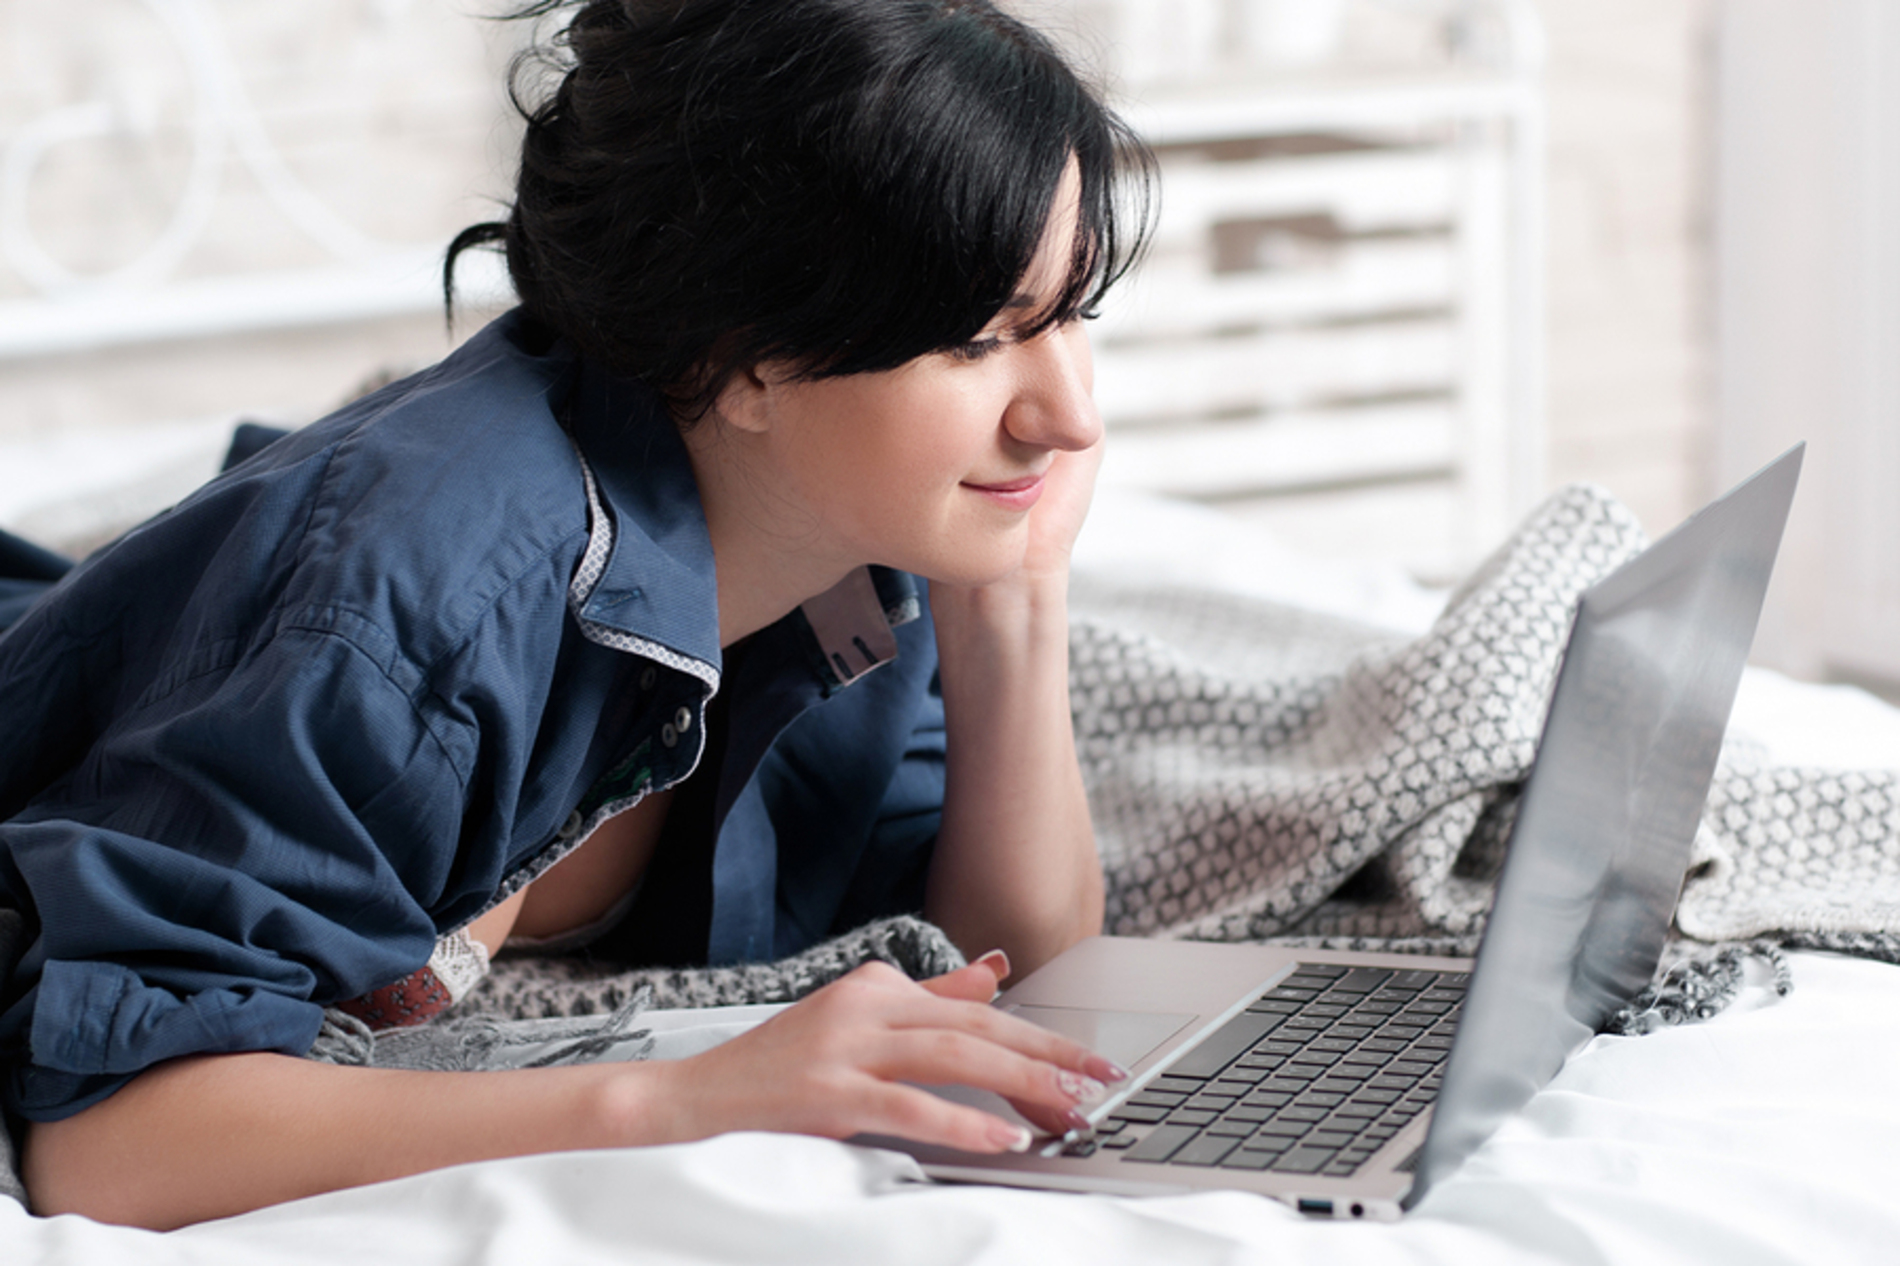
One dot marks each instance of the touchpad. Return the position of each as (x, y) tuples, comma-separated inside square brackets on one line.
[(1126, 1037)]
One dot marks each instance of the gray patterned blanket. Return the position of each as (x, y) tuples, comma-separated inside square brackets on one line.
[(1258, 772)]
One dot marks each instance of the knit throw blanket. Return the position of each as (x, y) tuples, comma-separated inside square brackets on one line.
[(1260, 773)]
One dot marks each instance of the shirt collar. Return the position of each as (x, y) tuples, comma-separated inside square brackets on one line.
[(657, 584)]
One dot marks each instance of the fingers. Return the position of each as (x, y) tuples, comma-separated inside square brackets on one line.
[(1056, 1096), (975, 983), (906, 1112), (964, 988), (860, 1048)]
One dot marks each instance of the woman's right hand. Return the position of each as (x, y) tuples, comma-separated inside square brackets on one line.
[(836, 1064)]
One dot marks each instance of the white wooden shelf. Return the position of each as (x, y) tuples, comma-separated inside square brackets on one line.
[(1340, 318)]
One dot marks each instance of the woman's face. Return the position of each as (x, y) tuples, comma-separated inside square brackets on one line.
[(937, 466)]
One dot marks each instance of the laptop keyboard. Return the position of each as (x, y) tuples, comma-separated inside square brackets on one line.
[(1312, 1078)]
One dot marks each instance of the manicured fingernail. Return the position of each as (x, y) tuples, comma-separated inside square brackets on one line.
[(1084, 1090), (1104, 1070), (1012, 1138), (998, 963), (1075, 1120)]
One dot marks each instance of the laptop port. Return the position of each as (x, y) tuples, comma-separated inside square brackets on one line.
[(1315, 1204)]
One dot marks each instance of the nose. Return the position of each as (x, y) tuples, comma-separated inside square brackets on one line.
[(1055, 403)]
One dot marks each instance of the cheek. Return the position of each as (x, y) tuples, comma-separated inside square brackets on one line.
[(924, 443)]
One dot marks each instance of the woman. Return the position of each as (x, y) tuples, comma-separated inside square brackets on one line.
[(623, 585)]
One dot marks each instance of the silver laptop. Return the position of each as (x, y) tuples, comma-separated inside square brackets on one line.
[(1348, 1083)]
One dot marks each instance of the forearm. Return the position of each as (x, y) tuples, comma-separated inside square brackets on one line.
[(1015, 865), (217, 1135)]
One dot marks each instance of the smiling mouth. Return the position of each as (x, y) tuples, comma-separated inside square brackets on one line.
[(1013, 494), (1013, 485)]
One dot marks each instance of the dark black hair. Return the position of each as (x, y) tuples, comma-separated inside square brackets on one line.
[(845, 185)]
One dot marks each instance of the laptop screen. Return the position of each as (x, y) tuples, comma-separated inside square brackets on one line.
[(1607, 819)]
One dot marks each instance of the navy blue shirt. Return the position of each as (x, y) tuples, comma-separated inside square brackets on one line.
[(260, 754)]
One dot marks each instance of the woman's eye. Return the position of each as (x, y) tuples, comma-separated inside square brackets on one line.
[(976, 348)]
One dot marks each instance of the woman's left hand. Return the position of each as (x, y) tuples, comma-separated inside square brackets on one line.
[(1057, 519)]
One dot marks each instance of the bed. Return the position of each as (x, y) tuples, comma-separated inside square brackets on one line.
[(1769, 1133)]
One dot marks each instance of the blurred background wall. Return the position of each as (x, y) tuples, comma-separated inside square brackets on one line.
[(214, 207)]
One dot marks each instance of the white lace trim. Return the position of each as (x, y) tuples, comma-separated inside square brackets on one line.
[(459, 962), (600, 540)]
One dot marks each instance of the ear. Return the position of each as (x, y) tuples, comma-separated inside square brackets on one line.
[(746, 400)]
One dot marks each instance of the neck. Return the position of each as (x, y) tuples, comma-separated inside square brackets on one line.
[(766, 550)]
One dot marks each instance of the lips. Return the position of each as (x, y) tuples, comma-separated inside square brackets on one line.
[(1012, 494)]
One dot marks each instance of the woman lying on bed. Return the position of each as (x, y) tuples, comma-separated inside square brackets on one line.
[(604, 630)]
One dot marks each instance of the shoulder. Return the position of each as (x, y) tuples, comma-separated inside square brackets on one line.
[(422, 507)]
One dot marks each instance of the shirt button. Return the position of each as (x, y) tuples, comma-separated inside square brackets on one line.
[(571, 827), (648, 677), (668, 735), (683, 720)]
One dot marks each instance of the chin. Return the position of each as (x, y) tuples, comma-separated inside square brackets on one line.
[(972, 569), (967, 558)]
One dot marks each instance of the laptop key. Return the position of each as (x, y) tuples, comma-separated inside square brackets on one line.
[(1303, 1160), (1361, 980), (1171, 1083), (1163, 1142), (1275, 1006), (1195, 1117), (1292, 993), (1342, 1168), (1206, 1150), (1327, 1138), (1241, 1158), (1273, 1143), (1224, 1045), (1141, 1113)]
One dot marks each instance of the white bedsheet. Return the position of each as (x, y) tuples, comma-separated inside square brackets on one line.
[(1768, 1135)]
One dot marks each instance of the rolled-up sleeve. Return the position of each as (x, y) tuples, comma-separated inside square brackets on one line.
[(261, 836)]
